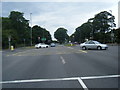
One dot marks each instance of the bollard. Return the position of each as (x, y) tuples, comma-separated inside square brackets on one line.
[(12, 48)]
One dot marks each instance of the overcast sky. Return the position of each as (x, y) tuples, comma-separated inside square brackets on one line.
[(52, 15)]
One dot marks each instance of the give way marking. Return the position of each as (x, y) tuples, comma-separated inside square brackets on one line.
[(80, 80)]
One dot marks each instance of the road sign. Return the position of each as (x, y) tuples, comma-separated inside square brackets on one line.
[(43, 39)]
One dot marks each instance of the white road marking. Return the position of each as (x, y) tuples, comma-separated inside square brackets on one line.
[(60, 79), (80, 80), (70, 47), (21, 52), (82, 84), (97, 77), (39, 80), (63, 60), (83, 51)]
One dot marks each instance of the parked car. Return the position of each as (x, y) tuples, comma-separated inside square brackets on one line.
[(41, 45), (93, 45), (52, 45)]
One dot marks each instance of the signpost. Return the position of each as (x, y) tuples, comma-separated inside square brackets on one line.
[(43, 39), (39, 39)]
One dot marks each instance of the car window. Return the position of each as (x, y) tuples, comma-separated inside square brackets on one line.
[(87, 42), (97, 42), (91, 42)]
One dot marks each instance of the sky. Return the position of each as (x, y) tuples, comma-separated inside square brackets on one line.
[(53, 15)]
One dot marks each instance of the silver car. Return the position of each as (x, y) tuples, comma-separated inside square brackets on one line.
[(93, 45)]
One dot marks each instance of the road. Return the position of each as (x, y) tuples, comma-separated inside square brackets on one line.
[(60, 67)]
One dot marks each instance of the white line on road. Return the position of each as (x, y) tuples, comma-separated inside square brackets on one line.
[(70, 47), (63, 60), (80, 80), (97, 77), (58, 79), (82, 84), (39, 80), (22, 52), (83, 51)]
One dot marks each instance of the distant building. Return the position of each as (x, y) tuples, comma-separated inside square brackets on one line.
[(119, 14)]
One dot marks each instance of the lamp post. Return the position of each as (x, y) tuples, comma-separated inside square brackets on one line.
[(31, 26)]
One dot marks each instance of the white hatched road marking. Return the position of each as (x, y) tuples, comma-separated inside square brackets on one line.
[(80, 80)]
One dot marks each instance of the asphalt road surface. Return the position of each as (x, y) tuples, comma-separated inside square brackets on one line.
[(60, 67)]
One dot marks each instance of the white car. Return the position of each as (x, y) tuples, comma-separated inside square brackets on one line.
[(41, 45), (93, 45)]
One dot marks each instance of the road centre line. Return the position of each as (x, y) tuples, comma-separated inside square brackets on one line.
[(63, 60)]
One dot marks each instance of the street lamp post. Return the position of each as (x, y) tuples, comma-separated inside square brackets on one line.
[(31, 26)]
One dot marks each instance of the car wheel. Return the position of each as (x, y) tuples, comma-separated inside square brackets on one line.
[(46, 46), (40, 47), (84, 48), (99, 48)]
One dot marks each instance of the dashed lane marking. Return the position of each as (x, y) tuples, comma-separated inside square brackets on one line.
[(63, 60)]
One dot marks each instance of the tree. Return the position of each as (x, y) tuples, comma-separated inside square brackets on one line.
[(97, 28), (9, 33), (103, 23), (117, 35), (21, 25), (39, 33), (61, 35), (16, 25), (83, 32), (6, 23)]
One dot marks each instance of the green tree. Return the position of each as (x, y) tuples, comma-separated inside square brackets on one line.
[(83, 32), (9, 33), (6, 23), (39, 33), (103, 23), (61, 35), (18, 26), (21, 25), (117, 35), (97, 28)]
